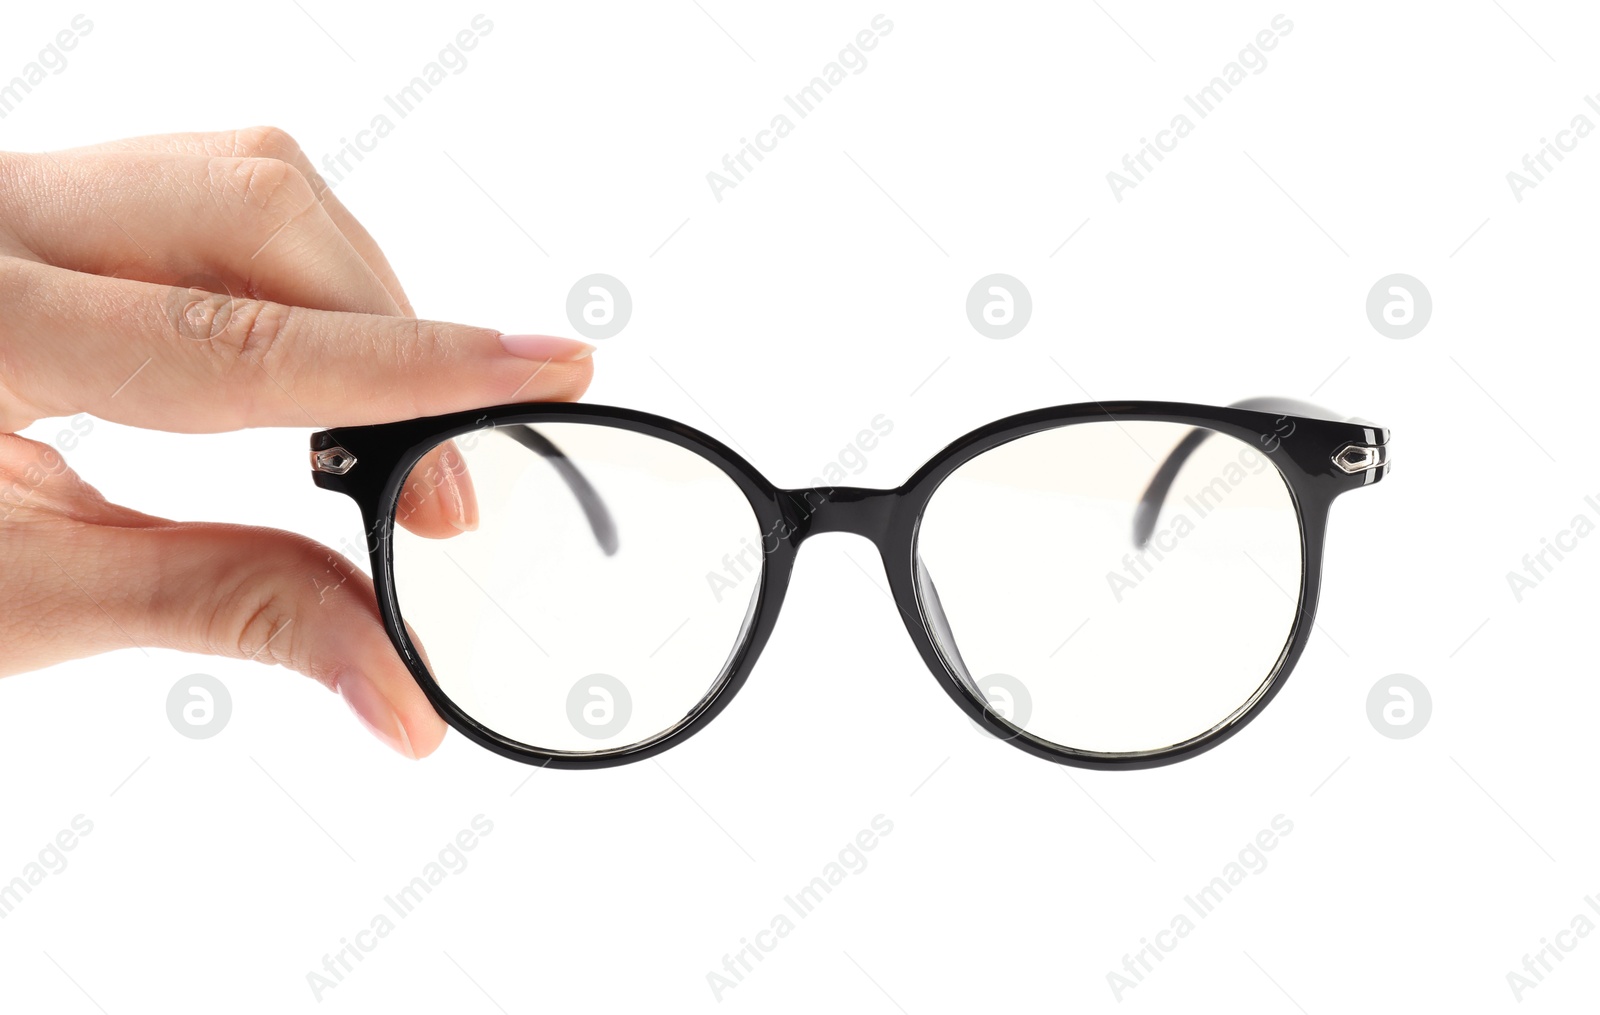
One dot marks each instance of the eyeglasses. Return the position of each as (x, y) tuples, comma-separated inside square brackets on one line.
[(1108, 585)]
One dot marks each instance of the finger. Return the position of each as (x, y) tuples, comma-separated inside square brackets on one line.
[(254, 221), (80, 343), (37, 486), (108, 577), (242, 593), (250, 227), (273, 143), (439, 500)]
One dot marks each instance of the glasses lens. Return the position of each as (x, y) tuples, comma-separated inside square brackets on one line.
[(602, 595), (1080, 632)]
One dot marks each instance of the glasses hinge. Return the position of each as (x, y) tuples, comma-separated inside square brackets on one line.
[(336, 461), (1357, 458)]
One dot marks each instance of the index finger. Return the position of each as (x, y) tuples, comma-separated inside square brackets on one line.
[(274, 143), (193, 362)]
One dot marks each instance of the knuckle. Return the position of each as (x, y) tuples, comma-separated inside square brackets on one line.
[(253, 616), (30, 474), (266, 611), (207, 312), (249, 329), (242, 337), (20, 456), (277, 143), (265, 142), (422, 341), (257, 623), (199, 313), (265, 186)]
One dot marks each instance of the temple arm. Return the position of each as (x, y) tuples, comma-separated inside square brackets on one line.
[(594, 507), (1148, 511)]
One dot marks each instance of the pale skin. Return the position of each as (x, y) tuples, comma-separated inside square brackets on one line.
[(200, 283)]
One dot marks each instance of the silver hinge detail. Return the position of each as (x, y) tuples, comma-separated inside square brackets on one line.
[(1356, 458), (336, 461)]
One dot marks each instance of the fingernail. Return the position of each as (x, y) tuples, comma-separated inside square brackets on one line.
[(462, 512), (546, 347), (374, 711)]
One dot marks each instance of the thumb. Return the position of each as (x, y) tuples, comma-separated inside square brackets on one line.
[(265, 595)]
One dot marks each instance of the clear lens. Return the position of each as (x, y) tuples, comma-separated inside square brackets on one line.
[(539, 634), (1030, 578)]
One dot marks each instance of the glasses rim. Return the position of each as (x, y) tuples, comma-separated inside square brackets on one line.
[(1147, 512), (1319, 455)]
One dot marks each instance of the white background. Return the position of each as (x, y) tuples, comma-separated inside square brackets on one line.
[(827, 288)]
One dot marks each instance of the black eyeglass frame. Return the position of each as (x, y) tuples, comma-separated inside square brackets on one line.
[(1319, 459)]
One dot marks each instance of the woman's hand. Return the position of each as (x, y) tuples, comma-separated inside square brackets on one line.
[(200, 283)]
